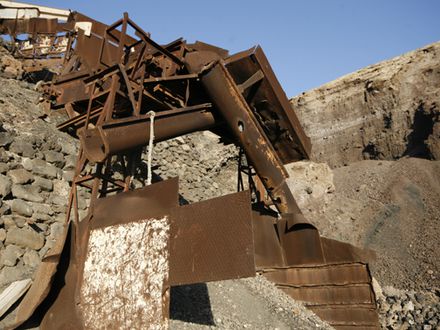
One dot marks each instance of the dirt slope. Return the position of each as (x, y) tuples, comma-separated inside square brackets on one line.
[(391, 207)]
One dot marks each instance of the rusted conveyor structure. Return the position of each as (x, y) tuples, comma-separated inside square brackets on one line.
[(120, 89)]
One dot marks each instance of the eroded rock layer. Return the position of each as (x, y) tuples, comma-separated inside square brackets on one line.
[(384, 111)]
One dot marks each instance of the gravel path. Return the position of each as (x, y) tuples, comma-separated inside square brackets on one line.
[(251, 303)]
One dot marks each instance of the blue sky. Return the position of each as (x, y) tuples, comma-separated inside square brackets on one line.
[(308, 42)]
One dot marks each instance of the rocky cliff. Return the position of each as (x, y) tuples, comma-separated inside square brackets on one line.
[(386, 111)]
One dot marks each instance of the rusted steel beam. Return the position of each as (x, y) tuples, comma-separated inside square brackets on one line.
[(230, 103), (103, 141), (268, 99)]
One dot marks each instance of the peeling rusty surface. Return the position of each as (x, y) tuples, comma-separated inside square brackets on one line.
[(124, 274), (115, 259)]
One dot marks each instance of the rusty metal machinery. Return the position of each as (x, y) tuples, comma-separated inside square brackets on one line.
[(120, 90)]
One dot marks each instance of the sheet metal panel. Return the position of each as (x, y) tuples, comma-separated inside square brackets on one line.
[(152, 201), (331, 295), (324, 275), (270, 94), (341, 294), (360, 317), (212, 240), (121, 220)]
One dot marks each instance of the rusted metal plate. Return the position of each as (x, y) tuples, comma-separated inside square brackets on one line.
[(152, 201), (301, 243), (340, 252), (332, 295), (353, 273), (124, 276), (118, 264), (347, 317), (268, 253), (338, 293), (212, 240), (270, 102)]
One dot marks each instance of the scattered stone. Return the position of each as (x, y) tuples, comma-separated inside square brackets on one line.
[(25, 237), (61, 188), (12, 274), (21, 207), (10, 255), (68, 176), (70, 162), (5, 185), (409, 307), (20, 176), (2, 234), (5, 209), (31, 258), (5, 139), (44, 169), (12, 68), (26, 194), (59, 200), (22, 148), (55, 158), (56, 230), (19, 221), (44, 184), (9, 222), (41, 217), (27, 163), (4, 168), (68, 148)]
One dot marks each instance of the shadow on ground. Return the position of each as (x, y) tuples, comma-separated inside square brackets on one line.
[(190, 303)]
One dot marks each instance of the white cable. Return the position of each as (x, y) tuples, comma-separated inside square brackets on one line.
[(150, 146)]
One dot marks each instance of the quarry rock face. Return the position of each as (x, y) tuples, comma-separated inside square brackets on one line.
[(385, 111)]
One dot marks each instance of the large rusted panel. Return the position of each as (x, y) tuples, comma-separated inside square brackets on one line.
[(338, 293), (270, 97), (340, 252), (342, 317), (88, 48), (151, 201), (268, 253), (300, 242), (212, 240), (115, 253), (332, 295), (354, 273), (124, 277)]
